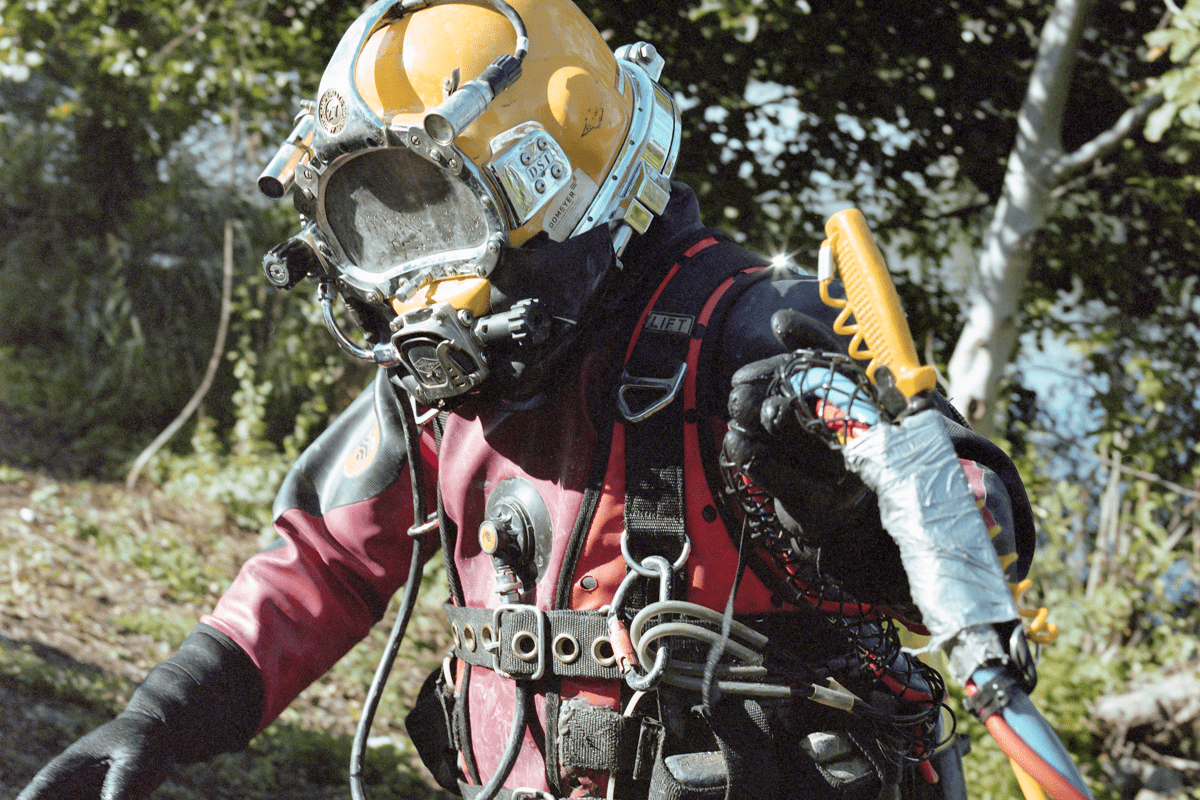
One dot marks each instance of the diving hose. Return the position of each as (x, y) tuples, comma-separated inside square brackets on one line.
[(416, 471), (1026, 737)]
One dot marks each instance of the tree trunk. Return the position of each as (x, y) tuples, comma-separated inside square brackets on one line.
[(987, 340), (1036, 166)]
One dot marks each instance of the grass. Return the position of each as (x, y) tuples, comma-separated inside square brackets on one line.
[(98, 584)]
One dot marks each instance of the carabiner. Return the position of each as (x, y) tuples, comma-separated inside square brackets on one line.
[(651, 566)]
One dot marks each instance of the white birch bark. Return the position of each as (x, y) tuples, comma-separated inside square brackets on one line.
[(1036, 166)]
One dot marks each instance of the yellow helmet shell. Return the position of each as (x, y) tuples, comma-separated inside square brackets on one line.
[(609, 132), (570, 83)]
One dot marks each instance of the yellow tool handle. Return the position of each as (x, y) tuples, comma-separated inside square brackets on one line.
[(880, 331)]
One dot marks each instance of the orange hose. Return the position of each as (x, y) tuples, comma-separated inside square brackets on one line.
[(1021, 754), (1015, 748)]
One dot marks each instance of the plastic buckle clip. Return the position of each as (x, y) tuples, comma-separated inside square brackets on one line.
[(991, 697)]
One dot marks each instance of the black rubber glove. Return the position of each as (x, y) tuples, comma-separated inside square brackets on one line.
[(818, 501), (806, 476), (205, 699)]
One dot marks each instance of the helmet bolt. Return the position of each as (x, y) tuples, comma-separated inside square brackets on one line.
[(526, 158), (542, 144), (539, 186), (556, 171)]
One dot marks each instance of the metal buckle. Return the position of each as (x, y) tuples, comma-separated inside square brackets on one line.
[(499, 641), (531, 794), (668, 386)]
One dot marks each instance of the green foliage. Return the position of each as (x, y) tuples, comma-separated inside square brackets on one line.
[(115, 189), (1116, 567), (793, 109), (289, 761), (1180, 86), (155, 624)]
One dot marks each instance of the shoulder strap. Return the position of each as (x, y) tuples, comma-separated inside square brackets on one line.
[(651, 387)]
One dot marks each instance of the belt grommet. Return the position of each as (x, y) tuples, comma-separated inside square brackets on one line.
[(456, 635), (468, 638), (602, 651), (566, 648), (525, 646), (487, 636)]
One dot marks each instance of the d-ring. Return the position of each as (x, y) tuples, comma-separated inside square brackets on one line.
[(647, 572)]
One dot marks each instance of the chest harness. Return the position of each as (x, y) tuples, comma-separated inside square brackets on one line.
[(679, 538)]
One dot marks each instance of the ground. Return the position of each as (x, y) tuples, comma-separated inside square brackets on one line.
[(98, 584)]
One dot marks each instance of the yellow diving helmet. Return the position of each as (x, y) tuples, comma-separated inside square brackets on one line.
[(444, 133)]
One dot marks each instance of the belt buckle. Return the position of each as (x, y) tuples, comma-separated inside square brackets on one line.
[(522, 655)]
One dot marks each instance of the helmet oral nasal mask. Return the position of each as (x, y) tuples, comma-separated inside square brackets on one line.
[(412, 186)]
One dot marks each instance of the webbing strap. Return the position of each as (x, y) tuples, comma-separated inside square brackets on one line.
[(599, 738), (564, 643), (657, 358)]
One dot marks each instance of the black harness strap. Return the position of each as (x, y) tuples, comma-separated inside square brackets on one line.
[(653, 379)]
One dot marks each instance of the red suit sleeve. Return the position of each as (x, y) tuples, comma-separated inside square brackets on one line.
[(298, 608)]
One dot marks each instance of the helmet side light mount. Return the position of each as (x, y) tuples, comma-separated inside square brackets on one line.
[(468, 102), (280, 172)]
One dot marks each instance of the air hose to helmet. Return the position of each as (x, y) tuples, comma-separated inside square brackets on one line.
[(421, 526)]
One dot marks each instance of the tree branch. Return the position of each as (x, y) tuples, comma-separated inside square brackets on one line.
[(213, 362), (1104, 143), (183, 36), (1148, 476)]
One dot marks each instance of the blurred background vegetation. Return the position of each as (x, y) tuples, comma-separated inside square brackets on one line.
[(131, 133)]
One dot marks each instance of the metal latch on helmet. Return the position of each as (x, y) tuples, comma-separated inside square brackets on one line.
[(669, 388)]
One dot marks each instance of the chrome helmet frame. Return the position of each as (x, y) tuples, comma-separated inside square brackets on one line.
[(391, 208)]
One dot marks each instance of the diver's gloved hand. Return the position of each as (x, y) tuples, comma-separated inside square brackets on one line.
[(204, 700), (766, 441)]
